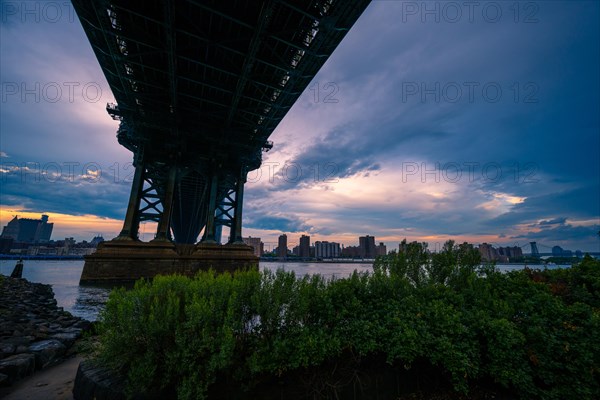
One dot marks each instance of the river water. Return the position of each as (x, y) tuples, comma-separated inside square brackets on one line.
[(87, 301)]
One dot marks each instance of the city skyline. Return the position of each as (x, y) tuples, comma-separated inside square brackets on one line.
[(26, 232), (421, 126), (366, 247)]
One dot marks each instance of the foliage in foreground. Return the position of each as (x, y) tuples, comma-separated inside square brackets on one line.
[(537, 333)]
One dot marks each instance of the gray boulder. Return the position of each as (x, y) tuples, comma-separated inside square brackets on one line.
[(66, 338), (47, 351), (17, 367)]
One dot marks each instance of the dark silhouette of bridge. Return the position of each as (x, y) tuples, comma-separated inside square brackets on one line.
[(199, 88)]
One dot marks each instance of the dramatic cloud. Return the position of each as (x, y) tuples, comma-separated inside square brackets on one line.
[(580, 203), (478, 126), (561, 234), (555, 221)]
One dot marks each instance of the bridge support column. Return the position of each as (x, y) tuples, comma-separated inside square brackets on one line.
[(209, 230), (236, 228), (164, 224), (218, 227), (122, 261), (131, 224)]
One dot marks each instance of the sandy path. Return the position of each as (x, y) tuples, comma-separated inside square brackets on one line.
[(54, 383)]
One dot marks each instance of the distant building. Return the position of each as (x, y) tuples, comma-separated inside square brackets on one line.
[(327, 250), (366, 245), (26, 230), (282, 249), (351, 251), (255, 243), (41, 251), (488, 252), (502, 254), (304, 250), (97, 240), (11, 230), (402, 246), (381, 249), (509, 253), (516, 252)]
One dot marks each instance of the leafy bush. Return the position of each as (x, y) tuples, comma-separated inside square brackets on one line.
[(535, 333)]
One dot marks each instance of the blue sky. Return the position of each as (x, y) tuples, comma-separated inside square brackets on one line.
[(431, 121)]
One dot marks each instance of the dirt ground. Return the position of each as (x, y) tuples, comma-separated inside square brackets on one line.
[(54, 383)]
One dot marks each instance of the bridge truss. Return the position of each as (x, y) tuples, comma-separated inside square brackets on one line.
[(200, 86)]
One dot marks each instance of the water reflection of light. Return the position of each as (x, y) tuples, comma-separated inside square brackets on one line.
[(90, 301)]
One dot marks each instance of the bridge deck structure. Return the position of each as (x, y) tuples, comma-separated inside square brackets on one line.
[(199, 88)]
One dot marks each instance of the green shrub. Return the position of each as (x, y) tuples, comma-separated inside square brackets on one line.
[(535, 333)]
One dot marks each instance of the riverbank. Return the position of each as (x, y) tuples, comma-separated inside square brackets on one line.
[(35, 333)]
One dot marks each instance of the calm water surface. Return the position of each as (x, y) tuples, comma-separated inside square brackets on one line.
[(87, 301), (63, 275)]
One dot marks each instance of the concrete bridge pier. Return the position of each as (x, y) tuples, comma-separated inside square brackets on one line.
[(126, 259), (123, 262)]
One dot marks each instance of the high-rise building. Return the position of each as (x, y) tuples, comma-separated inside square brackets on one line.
[(366, 245), (26, 230), (282, 249), (557, 251), (511, 252), (11, 230), (485, 251), (517, 252), (402, 246), (304, 250), (351, 251), (255, 244), (327, 249), (488, 253), (502, 254), (381, 249), (97, 240)]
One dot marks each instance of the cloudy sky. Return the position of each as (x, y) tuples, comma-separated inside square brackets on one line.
[(432, 120)]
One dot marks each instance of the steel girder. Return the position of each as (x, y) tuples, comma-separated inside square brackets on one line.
[(201, 85)]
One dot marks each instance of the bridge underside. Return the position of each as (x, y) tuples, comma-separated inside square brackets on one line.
[(199, 88)]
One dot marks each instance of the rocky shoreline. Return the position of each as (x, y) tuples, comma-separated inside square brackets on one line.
[(34, 332)]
